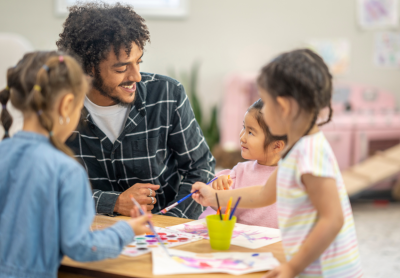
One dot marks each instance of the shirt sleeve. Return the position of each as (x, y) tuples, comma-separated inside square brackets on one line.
[(104, 201), (316, 161), (76, 213), (195, 161)]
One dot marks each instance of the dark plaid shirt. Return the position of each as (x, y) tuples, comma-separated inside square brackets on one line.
[(161, 144)]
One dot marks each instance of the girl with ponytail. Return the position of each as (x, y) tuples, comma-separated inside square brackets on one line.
[(46, 205), (314, 211)]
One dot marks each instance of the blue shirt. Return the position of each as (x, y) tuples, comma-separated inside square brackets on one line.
[(46, 210)]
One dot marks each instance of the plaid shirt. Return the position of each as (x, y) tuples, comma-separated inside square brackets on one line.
[(161, 144)]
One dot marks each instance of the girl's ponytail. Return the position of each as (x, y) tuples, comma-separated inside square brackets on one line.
[(6, 119)]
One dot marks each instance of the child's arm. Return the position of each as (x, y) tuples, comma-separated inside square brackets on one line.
[(76, 213), (324, 196), (252, 197)]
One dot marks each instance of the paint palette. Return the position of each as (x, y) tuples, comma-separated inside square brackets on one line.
[(145, 243)]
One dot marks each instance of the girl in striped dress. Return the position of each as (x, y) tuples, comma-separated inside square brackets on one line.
[(314, 211)]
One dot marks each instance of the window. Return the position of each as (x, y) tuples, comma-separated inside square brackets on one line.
[(146, 8)]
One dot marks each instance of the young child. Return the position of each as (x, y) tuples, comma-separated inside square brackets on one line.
[(263, 149), (46, 206), (314, 212)]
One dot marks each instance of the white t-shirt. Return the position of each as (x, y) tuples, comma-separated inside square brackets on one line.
[(110, 119)]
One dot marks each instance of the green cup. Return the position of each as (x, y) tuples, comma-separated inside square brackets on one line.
[(220, 232)]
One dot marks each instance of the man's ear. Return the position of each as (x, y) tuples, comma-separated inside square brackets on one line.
[(66, 105)]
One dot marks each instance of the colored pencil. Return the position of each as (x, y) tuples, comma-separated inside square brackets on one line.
[(150, 226), (234, 208), (164, 211), (228, 208), (219, 207)]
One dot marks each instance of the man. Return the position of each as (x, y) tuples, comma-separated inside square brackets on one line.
[(137, 133)]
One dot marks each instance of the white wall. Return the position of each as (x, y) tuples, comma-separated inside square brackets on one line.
[(226, 35)]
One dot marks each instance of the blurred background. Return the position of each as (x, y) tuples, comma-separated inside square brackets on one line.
[(216, 48)]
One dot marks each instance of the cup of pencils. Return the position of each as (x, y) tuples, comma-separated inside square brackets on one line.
[(220, 227)]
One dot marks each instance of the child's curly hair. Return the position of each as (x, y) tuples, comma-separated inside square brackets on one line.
[(93, 29)]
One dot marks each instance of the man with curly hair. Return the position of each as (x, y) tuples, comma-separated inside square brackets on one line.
[(137, 134)]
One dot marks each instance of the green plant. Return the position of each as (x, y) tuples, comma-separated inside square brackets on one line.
[(189, 80)]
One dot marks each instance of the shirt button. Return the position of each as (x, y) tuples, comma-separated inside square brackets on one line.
[(92, 126)]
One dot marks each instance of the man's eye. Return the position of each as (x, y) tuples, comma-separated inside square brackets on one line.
[(139, 62), (122, 70)]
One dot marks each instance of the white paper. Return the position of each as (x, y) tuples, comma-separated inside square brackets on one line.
[(387, 50), (247, 236), (373, 14), (236, 263)]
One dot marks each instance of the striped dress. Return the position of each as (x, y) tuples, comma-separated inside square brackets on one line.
[(297, 216)]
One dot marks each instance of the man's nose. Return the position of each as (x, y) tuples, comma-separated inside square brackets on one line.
[(134, 75)]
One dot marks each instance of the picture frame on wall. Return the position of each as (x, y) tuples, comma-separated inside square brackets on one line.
[(174, 9)]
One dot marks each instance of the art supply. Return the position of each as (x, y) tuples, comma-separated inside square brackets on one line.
[(219, 207), (220, 232), (150, 225), (236, 263), (234, 208), (252, 237), (164, 211), (144, 244), (228, 209)]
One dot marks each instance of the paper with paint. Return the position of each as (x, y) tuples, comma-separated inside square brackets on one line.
[(236, 263), (374, 14), (145, 243), (252, 237), (387, 50), (335, 52)]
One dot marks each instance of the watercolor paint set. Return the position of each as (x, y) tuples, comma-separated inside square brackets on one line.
[(145, 243)]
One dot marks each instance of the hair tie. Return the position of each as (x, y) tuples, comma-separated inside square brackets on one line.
[(51, 133), (61, 58), (37, 88), (40, 112), (5, 132), (4, 106), (7, 88), (46, 67)]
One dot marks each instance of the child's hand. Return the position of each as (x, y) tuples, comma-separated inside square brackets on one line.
[(138, 222), (222, 183), (205, 196), (282, 271)]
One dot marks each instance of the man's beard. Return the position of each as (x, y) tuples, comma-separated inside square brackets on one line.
[(98, 84)]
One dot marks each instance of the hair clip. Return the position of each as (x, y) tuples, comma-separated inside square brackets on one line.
[(40, 112), (61, 58), (46, 67), (37, 88), (4, 106)]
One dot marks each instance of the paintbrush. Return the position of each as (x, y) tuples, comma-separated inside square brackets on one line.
[(234, 208), (164, 211), (150, 226), (219, 208)]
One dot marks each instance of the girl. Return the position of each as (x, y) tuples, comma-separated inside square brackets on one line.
[(260, 146), (314, 212), (46, 207)]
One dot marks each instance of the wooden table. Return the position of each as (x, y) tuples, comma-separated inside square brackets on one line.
[(141, 266)]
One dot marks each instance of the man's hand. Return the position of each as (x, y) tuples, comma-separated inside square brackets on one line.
[(141, 193)]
